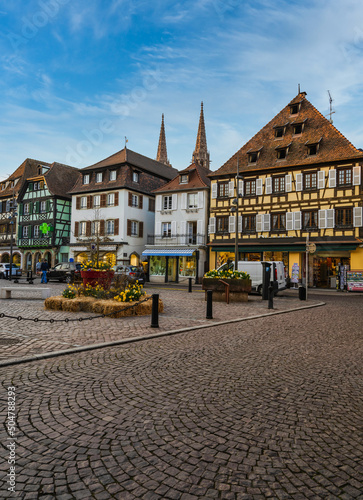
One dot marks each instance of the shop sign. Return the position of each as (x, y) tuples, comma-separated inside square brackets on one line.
[(311, 247), (295, 271)]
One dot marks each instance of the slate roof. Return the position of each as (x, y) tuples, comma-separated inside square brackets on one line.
[(159, 172), (333, 146), (198, 179), (141, 161), (61, 178)]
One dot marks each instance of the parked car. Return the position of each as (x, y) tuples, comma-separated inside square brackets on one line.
[(15, 270), (132, 272), (254, 269), (65, 272)]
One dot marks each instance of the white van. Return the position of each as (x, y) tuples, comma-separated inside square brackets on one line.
[(254, 269)]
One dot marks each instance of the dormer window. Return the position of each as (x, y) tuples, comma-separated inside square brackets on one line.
[(280, 130), (312, 147), (112, 175), (183, 179), (253, 155), (42, 169), (86, 179), (135, 176), (298, 127), (295, 108), (99, 177), (282, 152)]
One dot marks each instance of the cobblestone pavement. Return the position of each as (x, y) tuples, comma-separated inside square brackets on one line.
[(266, 408), (182, 309)]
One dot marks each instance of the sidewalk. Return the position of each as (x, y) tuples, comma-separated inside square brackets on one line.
[(182, 309)]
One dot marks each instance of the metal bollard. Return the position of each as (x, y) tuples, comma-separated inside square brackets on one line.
[(270, 297), (209, 304), (190, 285), (6, 274), (155, 311), (29, 277)]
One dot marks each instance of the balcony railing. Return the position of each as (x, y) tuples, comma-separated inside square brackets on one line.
[(176, 239), (34, 242)]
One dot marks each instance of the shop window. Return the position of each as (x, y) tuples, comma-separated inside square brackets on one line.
[(344, 217), (310, 219), (187, 266), (250, 187), (310, 180), (222, 225), (157, 266), (278, 184), (345, 177), (248, 223), (223, 189), (278, 222)]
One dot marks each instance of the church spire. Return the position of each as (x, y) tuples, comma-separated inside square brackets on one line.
[(162, 154), (201, 155)]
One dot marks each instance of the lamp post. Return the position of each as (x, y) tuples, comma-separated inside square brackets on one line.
[(235, 209), (11, 218)]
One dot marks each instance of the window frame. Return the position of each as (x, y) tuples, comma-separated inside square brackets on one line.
[(344, 171), (249, 182), (167, 200), (135, 177), (310, 175), (280, 179), (43, 207), (112, 223), (280, 219), (222, 221), (134, 225), (315, 214), (94, 203), (184, 178), (195, 205), (223, 186), (343, 211), (166, 229), (83, 205), (99, 175), (249, 223), (113, 173), (85, 176), (112, 196), (82, 224)]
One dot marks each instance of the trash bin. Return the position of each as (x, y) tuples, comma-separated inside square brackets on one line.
[(302, 292)]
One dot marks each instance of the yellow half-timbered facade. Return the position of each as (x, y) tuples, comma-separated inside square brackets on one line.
[(300, 179)]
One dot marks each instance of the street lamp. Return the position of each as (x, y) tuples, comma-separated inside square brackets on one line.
[(13, 214), (235, 210)]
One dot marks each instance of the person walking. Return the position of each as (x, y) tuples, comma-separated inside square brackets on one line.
[(37, 267), (44, 268)]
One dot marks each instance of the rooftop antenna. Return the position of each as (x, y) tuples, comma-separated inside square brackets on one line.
[(330, 108), (298, 88)]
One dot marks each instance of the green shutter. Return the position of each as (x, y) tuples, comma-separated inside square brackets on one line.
[(30, 186), (47, 205), (20, 209), (36, 207)]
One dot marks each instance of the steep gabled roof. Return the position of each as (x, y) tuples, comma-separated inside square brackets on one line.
[(143, 162), (61, 178), (198, 179), (317, 129), (28, 168)]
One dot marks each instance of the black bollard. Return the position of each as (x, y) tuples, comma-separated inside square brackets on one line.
[(155, 311), (29, 277), (270, 297), (190, 285), (209, 304), (6, 274)]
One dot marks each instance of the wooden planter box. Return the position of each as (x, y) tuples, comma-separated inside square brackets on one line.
[(94, 278), (238, 289)]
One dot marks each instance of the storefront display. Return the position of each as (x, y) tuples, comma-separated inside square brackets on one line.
[(187, 266), (354, 281)]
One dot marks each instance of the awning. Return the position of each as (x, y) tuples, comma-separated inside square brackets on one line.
[(286, 248), (169, 252)]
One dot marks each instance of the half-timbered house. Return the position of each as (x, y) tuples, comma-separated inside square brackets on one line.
[(300, 179), (44, 207)]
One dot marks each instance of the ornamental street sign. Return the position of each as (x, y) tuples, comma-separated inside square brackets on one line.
[(311, 247)]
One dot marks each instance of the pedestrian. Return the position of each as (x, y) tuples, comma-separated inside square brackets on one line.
[(37, 267), (44, 268)]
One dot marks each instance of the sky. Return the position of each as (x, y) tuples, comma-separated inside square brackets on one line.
[(77, 77)]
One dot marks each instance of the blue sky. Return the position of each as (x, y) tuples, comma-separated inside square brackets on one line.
[(77, 77)]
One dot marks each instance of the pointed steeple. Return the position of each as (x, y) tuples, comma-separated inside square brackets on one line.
[(201, 155), (162, 154)]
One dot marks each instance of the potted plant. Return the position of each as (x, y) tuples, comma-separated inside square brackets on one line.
[(239, 284)]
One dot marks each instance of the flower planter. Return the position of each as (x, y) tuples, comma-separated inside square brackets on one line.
[(238, 289), (97, 277)]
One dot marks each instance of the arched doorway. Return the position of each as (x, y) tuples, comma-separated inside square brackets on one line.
[(110, 258), (28, 261), (81, 257), (48, 258), (16, 258), (37, 258), (5, 257), (135, 259)]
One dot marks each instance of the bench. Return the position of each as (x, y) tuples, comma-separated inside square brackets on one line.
[(5, 291)]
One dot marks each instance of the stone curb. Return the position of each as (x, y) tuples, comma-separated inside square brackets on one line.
[(55, 354)]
